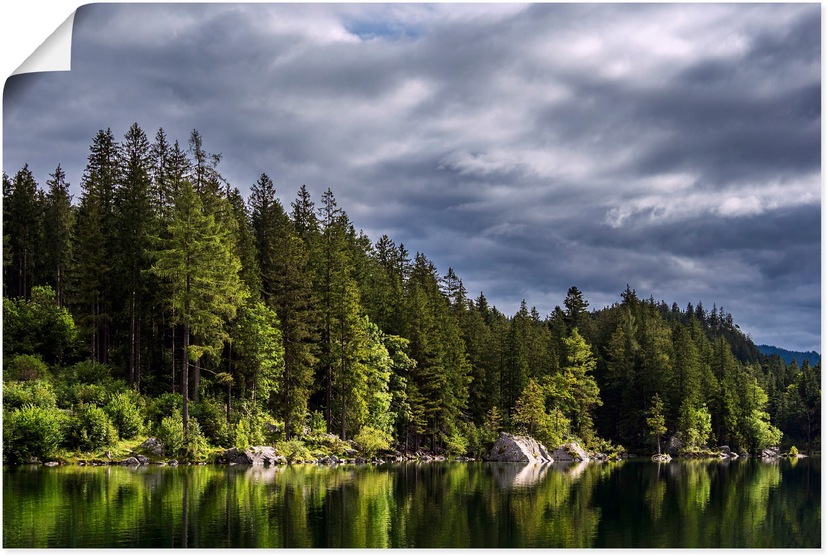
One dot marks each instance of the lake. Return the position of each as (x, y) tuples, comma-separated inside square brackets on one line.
[(745, 503)]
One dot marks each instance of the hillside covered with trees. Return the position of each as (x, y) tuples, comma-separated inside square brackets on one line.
[(164, 303)]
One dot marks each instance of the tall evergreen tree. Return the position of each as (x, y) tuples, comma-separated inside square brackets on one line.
[(58, 230), (198, 262)]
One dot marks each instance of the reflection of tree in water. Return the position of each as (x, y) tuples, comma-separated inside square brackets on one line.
[(680, 504)]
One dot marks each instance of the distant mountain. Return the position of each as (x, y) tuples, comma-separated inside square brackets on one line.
[(789, 355)]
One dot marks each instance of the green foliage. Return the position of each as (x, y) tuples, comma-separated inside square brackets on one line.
[(655, 420), (89, 372), (26, 368), (456, 443), (694, 425), (31, 432), (492, 425), (294, 450), (195, 444), (125, 411), (328, 444), (213, 420), (170, 432), (30, 393), (37, 326), (316, 422), (793, 451), (90, 429), (372, 440), (164, 406), (72, 394)]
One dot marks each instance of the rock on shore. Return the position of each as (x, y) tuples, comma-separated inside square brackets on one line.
[(256, 456), (518, 448)]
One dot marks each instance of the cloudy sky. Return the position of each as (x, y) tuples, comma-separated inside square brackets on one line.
[(674, 148)]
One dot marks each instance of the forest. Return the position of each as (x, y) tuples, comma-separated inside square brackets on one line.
[(163, 303)]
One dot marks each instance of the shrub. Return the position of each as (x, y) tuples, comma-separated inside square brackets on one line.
[(456, 443), (124, 410), (90, 372), (171, 433), (793, 451), (195, 444), (328, 444), (90, 429), (239, 438), (31, 431), (164, 406), (213, 420), (26, 368), (37, 325), (293, 450), (372, 440), (316, 423), (31, 393)]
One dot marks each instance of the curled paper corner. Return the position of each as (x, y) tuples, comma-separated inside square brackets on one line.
[(55, 54)]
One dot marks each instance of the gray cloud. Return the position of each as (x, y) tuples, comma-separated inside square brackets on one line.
[(672, 147)]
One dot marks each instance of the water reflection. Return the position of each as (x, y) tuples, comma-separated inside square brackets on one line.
[(628, 504)]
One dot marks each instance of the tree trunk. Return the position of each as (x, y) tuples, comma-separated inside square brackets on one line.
[(196, 379), (185, 379), (173, 358), (132, 338)]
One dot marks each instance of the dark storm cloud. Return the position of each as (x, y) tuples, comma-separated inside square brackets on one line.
[(674, 148)]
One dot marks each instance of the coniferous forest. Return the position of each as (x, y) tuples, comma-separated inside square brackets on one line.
[(162, 303)]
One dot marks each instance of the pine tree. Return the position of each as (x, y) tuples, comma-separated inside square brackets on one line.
[(23, 223), (135, 223), (655, 420), (58, 230), (287, 288), (198, 262), (93, 281)]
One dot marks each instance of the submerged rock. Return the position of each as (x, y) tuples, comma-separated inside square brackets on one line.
[(518, 448)]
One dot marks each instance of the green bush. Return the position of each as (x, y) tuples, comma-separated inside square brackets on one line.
[(31, 393), (90, 372), (124, 409), (793, 451), (213, 421), (171, 433), (456, 443), (372, 440), (327, 444), (294, 450), (90, 393), (26, 368), (316, 423), (31, 431), (163, 406), (195, 445), (90, 429), (246, 432)]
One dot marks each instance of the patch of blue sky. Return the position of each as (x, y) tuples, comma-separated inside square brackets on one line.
[(383, 29)]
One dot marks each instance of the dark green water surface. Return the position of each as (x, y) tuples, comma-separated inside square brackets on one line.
[(746, 503)]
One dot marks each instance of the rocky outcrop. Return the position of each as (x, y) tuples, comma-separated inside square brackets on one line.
[(254, 456), (570, 452), (675, 445), (770, 452), (518, 448), (131, 461), (152, 446)]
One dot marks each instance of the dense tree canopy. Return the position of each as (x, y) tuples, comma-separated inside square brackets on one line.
[(298, 320)]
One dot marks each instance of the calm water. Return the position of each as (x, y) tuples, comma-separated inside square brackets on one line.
[(746, 503)]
